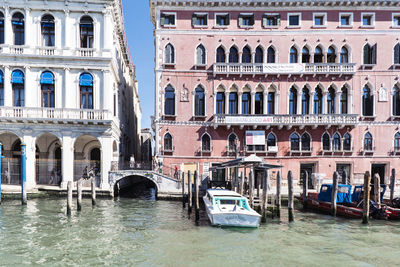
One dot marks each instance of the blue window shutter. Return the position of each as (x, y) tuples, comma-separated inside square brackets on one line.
[(86, 79), (86, 25), (47, 78), (18, 23), (17, 76), (47, 24), (1, 77)]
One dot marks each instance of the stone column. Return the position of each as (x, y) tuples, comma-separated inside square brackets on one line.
[(240, 111), (29, 88), (312, 95), (8, 33), (337, 102), (8, 97), (253, 102), (265, 102), (67, 158), (324, 104), (106, 158), (30, 159), (226, 102), (299, 95), (29, 33), (277, 102)]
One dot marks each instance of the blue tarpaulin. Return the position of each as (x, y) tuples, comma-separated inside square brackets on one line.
[(343, 193)]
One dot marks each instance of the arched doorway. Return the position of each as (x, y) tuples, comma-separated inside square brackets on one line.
[(48, 160), (11, 163), (87, 158)]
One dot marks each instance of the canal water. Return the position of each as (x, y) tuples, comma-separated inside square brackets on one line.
[(145, 232)]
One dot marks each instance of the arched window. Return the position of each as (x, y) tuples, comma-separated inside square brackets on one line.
[(17, 81), (87, 32), (1, 28), (220, 103), (259, 58), (18, 26), (199, 102), (293, 55), (233, 103), (169, 105), (369, 54), (168, 142), (336, 142), (331, 101), (305, 55), (368, 142), (318, 101), (86, 90), (246, 103), (200, 55), (271, 140), (246, 56), (396, 101), (305, 142), (206, 143), (305, 101), (396, 54), (220, 55), (47, 84), (318, 56), (397, 142), (48, 31), (346, 142), (331, 57), (232, 142), (294, 142), (343, 101), (233, 55), (368, 102), (271, 103), (1, 88), (169, 54), (258, 103), (293, 101), (344, 55), (271, 55), (326, 142)]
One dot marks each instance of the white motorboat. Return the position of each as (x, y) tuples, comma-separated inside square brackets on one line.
[(228, 208)]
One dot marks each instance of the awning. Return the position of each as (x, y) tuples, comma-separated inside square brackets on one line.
[(47, 78), (17, 76), (86, 79)]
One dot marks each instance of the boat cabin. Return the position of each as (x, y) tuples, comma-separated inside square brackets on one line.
[(222, 199), (343, 193)]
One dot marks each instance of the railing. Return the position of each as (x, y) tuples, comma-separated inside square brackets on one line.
[(46, 50), (86, 52), (54, 113), (286, 68), (286, 120), (17, 49), (137, 165)]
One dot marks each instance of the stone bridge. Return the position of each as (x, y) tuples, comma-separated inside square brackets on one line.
[(164, 184)]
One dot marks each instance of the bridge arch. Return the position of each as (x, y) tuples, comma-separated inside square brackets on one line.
[(131, 183)]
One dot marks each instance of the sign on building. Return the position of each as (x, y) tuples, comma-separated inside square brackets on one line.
[(255, 138)]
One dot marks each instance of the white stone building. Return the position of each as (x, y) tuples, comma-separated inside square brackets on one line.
[(67, 90)]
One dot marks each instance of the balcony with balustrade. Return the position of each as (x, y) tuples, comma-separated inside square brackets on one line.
[(55, 115), (284, 69), (289, 121)]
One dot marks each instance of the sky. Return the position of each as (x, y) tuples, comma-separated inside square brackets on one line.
[(139, 32)]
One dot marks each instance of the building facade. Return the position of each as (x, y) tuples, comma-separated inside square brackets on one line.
[(309, 85), (67, 90)]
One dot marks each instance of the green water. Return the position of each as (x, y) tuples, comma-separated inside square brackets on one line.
[(133, 232)]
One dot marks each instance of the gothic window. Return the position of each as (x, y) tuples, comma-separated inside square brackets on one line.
[(246, 55), (169, 105), (220, 105), (259, 58), (344, 101), (331, 101), (169, 54), (367, 102), (200, 55), (233, 103), (233, 55), (396, 101), (271, 140), (199, 102), (326, 142), (368, 142), (18, 26), (397, 142), (305, 55), (271, 55), (47, 85), (305, 142), (305, 101), (48, 32), (167, 142), (86, 90), (87, 32), (1, 28), (18, 86), (293, 101), (293, 55), (344, 55), (246, 103), (206, 143), (369, 54), (331, 57), (294, 142), (336, 142), (220, 55), (258, 103), (346, 142), (232, 142), (318, 101), (396, 54), (318, 56)]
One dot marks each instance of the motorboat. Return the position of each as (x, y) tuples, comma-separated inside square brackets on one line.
[(228, 208)]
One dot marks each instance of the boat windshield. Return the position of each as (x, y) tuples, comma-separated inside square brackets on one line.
[(240, 201)]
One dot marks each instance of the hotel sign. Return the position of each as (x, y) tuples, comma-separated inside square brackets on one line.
[(249, 119)]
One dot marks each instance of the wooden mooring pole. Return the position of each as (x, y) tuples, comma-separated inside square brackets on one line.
[(93, 184), (251, 189), (190, 193), (305, 190), (377, 190), (196, 197), (334, 193), (290, 196), (278, 194), (367, 180), (79, 194), (392, 184), (241, 183), (69, 197), (264, 202), (183, 189)]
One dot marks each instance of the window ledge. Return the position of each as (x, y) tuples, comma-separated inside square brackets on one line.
[(396, 66), (200, 66), (169, 117), (367, 66), (168, 26), (368, 117), (246, 27), (200, 26), (169, 65), (367, 26), (220, 26), (319, 27), (345, 26), (271, 27), (293, 27)]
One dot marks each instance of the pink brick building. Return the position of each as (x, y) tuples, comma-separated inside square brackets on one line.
[(310, 85)]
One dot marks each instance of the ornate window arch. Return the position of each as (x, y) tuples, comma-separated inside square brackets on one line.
[(201, 55), (221, 57), (47, 86), (199, 101), (206, 142), (367, 101), (305, 142), (169, 103), (86, 29), (169, 54), (294, 142), (368, 142), (337, 142), (326, 142), (347, 142), (168, 142)]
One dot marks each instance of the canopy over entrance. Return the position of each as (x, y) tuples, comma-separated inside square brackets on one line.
[(257, 162)]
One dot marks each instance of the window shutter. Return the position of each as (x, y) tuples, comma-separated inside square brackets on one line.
[(374, 54), (396, 54), (265, 21), (240, 21), (366, 54), (278, 18), (227, 19), (162, 20), (193, 20)]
